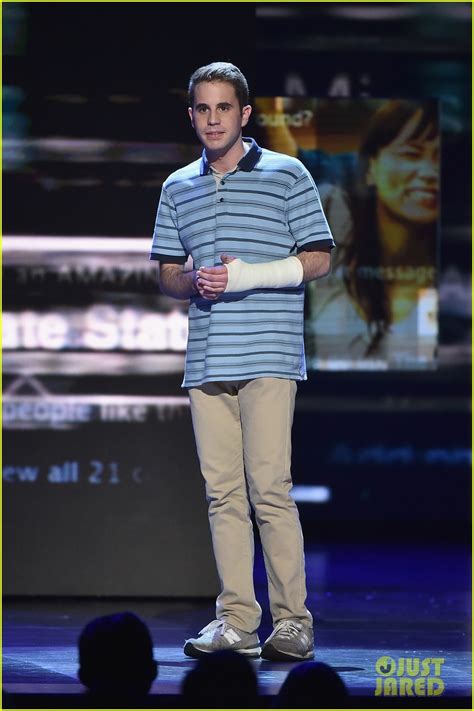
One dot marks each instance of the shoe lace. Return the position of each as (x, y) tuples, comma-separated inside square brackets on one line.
[(287, 628), (215, 625)]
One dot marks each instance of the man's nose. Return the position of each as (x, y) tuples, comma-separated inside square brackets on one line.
[(212, 117)]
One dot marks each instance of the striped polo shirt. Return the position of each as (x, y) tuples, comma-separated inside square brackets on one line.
[(267, 208)]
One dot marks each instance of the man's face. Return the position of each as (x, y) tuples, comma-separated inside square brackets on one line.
[(216, 116)]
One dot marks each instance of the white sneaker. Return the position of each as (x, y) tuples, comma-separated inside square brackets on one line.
[(219, 635)]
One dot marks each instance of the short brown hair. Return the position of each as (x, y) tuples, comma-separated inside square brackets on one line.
[(221, 71)]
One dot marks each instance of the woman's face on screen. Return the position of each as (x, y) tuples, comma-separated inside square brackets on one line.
[(405, 174)]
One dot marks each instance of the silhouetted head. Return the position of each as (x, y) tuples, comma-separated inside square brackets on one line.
[(116, 656), (311, 685), (223, 679)]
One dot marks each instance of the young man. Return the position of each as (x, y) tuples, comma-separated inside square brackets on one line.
[(245, 352)]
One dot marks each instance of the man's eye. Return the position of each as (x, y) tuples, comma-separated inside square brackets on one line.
[(224, 108), (202, 110)]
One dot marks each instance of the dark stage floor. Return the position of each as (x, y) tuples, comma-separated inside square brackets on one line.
[(406, 600)]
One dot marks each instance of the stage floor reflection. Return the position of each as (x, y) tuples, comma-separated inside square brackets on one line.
[(405, 601)]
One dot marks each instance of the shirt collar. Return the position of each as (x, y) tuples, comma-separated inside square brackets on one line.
[(246, 163)]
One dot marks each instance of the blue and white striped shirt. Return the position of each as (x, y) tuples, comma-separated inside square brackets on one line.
[(267, 208)]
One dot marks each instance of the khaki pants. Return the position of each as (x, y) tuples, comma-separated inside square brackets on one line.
[(243, 438)]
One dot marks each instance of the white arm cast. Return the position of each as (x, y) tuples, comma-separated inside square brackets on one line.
[(269, 275)]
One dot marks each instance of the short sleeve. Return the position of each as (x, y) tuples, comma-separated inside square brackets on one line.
[(304, 213), (166, 246)]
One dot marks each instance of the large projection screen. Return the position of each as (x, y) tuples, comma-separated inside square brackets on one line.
[(376, 164)]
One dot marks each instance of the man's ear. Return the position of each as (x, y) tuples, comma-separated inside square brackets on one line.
[(246, 111), (190, 113)]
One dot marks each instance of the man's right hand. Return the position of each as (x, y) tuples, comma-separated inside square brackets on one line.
[(211, 282)]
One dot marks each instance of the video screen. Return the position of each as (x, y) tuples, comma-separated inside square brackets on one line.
[(85, 305), (376, 164)]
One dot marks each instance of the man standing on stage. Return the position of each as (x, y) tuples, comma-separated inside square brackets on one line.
[(245, 352)]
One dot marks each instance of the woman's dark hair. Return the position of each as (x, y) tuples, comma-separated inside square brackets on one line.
[(221, 71), (363, 249)]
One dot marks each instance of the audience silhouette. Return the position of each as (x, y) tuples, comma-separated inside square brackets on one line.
[(224, 679), (312, 685), (116, 661), (116, 665)]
